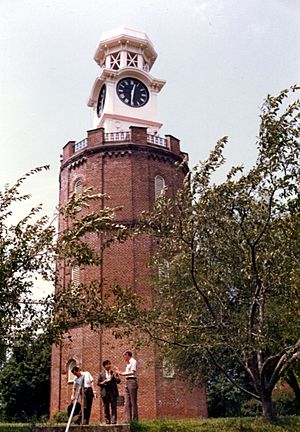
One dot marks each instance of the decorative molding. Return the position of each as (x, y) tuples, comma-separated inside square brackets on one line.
[(113, 149), (117, 153), (77, 163)]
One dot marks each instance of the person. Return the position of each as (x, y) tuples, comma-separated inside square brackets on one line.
[(108, 382), (84, 380), (131, 387)]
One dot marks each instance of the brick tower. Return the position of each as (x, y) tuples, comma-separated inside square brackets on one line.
[(124, 157)]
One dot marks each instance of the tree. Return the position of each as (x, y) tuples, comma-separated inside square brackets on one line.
[(27, 256), (30, 252), (25, 381), (228, 258), (27, 250), (227, 264)]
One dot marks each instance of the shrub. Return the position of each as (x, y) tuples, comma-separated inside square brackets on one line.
[(251, 408), (285, 404), (60, 417)]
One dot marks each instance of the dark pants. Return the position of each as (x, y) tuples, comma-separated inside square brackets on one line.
[(131, 408), (88, 402), (110, 408)]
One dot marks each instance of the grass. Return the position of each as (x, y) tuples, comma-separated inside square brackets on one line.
[(245, 424), (15, 427), (242, 424)]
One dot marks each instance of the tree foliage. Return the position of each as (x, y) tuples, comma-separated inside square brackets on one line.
[(230, 282), (29, 324), (27, 251), (25, 381), (227, 263), (226, 266)]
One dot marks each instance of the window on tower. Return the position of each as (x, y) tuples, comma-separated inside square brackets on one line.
[(75, 275), (168, 369), (159, 185), (78, 187), (132, 59), (71, 364), (115, 61)]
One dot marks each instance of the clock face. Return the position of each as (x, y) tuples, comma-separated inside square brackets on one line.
[(132, 92), (101, 100)]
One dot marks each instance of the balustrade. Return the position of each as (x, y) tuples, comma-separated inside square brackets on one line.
[(80, 145)]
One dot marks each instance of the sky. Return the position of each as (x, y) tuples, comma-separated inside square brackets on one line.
[(220, 59)]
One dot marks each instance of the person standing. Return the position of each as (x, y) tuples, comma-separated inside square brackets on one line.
[(108, 382), (86, 382), (131, 387)]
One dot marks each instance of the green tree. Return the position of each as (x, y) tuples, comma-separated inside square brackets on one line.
[(227, 261), (227, 264), (228, 257), (25, 381), (27, 250), (30, 252), (27, 257)]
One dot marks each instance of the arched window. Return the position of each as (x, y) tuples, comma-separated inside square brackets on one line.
[(71, 364), (168, 369), (78, 187), (159, 185), (75, 275)]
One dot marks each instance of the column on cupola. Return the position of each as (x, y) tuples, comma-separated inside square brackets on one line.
[(141, 60), (107, 61), (123, 58)]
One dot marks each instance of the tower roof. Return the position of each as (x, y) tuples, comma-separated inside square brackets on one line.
[(114, 39)]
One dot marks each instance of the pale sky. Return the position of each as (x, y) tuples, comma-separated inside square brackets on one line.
[(220, 59)]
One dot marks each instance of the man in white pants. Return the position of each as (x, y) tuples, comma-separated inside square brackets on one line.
[(131, 387)]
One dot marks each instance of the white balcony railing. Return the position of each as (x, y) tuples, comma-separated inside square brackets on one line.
[(117, 136), (122, 136), (157, 140), (80, 145)]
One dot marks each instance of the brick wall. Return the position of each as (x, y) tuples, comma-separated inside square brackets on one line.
[(126, 172)]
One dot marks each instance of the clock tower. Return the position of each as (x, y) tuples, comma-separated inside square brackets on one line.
[(124, 157), (125, 94)]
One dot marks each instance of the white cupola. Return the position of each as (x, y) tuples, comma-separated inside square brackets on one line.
[(125, 94)]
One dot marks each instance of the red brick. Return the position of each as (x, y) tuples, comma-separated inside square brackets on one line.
[(125, 171)]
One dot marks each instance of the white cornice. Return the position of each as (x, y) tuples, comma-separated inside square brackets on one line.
[(124, 38)]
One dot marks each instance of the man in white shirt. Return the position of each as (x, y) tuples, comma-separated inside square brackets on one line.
[(131, 387), (86, 382)]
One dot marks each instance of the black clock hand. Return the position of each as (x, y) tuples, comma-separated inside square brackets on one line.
[(132, 94)]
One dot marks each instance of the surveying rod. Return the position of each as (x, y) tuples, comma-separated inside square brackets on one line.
[(74, 405)]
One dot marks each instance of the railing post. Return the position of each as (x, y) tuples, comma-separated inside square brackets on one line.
[(68, 150), (138, 135), (173, 144), (95, 137)]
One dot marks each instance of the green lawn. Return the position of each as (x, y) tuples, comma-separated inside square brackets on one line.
[(15, 427), (245, 424)]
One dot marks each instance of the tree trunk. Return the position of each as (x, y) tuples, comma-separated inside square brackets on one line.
[(267, 407), (291, 379)]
